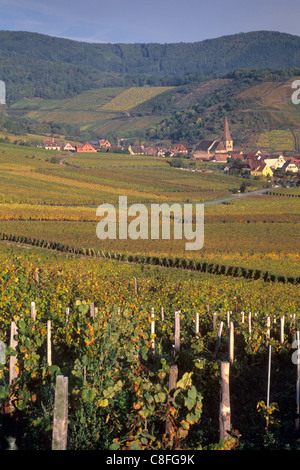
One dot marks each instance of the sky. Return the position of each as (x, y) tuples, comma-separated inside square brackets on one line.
[(158, 21)]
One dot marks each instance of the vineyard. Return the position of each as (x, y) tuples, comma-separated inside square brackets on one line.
[(113, 334), (277, 140), (136, 334)]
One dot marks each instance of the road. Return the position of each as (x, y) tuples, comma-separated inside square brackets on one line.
[(238, 195)]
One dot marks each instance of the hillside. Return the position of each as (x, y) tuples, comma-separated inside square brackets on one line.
[(29, 61), (220, 55), (174, 92), (256, 102)]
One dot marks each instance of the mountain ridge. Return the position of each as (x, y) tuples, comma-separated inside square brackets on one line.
[(34, 65), (219, 55)]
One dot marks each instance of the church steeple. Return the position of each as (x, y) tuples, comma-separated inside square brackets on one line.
[(226, 139)]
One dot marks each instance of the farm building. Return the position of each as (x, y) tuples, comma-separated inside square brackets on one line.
[(86, 148), (51, 144)]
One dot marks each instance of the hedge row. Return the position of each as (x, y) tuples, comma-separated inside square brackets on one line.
[(182, 263), (269, 193)]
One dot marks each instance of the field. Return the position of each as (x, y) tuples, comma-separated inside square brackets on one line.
[(118, 369)]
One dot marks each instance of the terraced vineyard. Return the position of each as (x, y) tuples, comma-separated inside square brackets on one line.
[(102, 110), (277, 141)]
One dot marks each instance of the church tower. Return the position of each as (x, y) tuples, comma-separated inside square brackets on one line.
[(226, 139)]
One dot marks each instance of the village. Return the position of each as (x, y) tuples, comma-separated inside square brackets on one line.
[(255, 163)]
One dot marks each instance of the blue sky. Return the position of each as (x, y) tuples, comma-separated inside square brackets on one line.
[(162, 21)]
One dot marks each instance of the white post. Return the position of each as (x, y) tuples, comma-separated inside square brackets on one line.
[(32, 311), (49, 355), (281, 330), (197, 323), (249, 323), (231, 343), (268, 327), (153, 331), (269, 377), (67, 314), (177, 331)]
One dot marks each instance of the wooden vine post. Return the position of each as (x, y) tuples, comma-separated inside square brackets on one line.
[(13, 373), (172, 387), (60, 418), (249, 323), (219, 337), (225, 413), (177, 331), (92, 310)]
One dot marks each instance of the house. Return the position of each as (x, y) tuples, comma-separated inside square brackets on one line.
[(51, 144), (254, 154), (136, 149), (237, 155), (204, 150), (87, 147), (258, 167), (220, 157), (162, 151), (151, 151), (68, 147), (291, 165), (275, 161), (104, 144), (178, 148)]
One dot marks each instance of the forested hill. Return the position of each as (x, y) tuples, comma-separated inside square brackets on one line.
[(220, 55)]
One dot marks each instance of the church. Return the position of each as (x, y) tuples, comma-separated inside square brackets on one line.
[(215, 150)]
